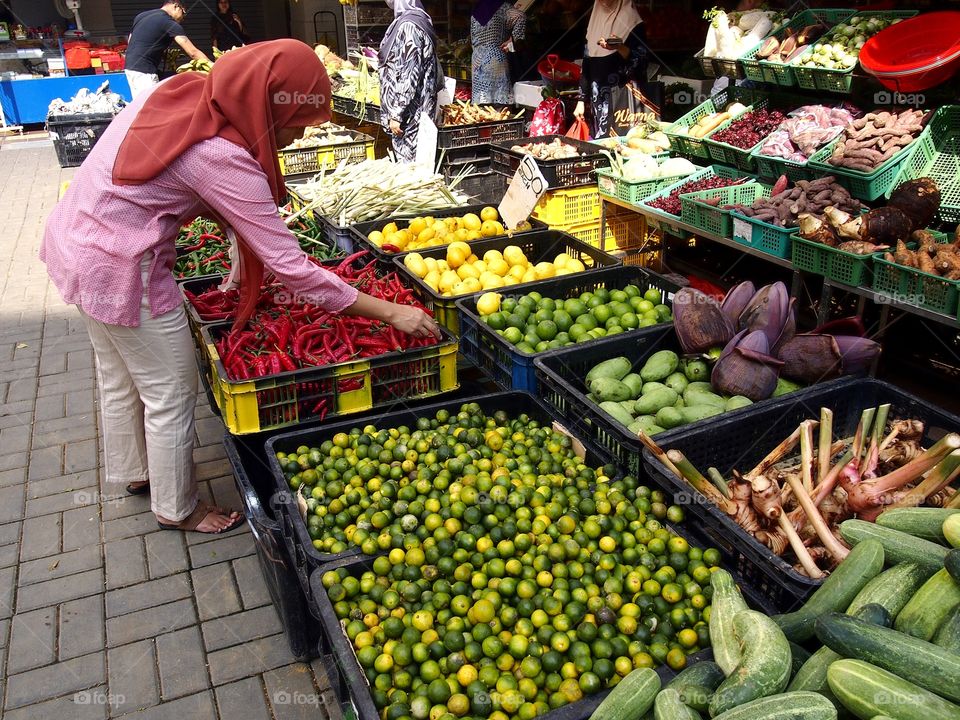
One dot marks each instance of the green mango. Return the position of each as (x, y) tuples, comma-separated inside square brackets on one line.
[(677, 381), (651, 402), (696, 413), (635, 383), (736, 402), (669, 417), (696, 370), (659, 366), (616, 411), (609, 389), (616, 368)]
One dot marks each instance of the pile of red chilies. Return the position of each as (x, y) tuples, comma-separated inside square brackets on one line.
[(289, 336)]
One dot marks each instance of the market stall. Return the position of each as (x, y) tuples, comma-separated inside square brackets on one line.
[(620, 484)]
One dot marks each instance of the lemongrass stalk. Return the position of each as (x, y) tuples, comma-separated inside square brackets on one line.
[(826, 443), (917, 467), (699, 482), (837, 549), (717, 479), (806, 454), (945, 472)]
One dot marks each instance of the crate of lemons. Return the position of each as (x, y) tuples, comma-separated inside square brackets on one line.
[(428, 231), (463, 273)]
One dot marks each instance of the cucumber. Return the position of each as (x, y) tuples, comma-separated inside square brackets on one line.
[(951, 530), (864, 562), (898, 546), (948, 636), (695, 696), (764, 667), (630, 698), (952, 564), (786, 706), (724, 606), (813, 675), (867, 690), (669, 706), (929, 606), (705, 674), (798, 656), (917, 661), (921, 522), (892, 588)]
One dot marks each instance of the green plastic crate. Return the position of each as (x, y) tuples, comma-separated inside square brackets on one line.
[(844, 267), (693, 147), (632, 192), (665, 222), (771, 239), (838, 81), (915, 287), (712, 219), (728, 154), (771, 168), (864, 186), (936, 155)]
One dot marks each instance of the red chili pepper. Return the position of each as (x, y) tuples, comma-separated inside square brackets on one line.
[(285, 361)]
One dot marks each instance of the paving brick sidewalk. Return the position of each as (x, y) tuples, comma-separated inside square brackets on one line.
[(101, 614)]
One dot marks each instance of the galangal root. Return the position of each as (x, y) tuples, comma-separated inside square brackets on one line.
[(794, 504)]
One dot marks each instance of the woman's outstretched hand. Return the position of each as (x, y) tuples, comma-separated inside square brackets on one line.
[(414, 321)]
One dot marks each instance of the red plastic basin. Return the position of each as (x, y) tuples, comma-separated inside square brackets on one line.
[(915, 54)]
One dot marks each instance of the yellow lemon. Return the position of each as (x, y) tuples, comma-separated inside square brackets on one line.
[(498, 266), (417, 226), (459, 289), (463, 247), (490, 281), (488, 303), (489, 213), (448, 280), (574, 265), (480, 266), (563, 271), (517, 272), (529, 275), (426, 235), (414, 263), (451, 223), (442, 265), (431, 263), (514, 255), (491, 255), (455, 256), (472, 259), (544, 270), (400, 240), (376, 237), (389, 228), (472, 285), (471, 221), (467, 271), (462, 235), (490, 228), (432, 279), (561, 260)]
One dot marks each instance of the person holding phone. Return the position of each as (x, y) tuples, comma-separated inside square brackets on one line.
[(615, 54)]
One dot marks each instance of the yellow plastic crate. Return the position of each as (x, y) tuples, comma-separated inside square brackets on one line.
[(626, 231), (312, 160), (251, 406), (572, 206)]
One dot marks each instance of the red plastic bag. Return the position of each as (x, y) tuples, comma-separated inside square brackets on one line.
[(548, 118), (579, 130)]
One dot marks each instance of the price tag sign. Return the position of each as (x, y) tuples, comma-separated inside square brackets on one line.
[(523, 193), (743, 231), (426, 141)]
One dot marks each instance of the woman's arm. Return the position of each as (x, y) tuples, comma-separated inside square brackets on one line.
[(634, 66), (240, 195), (516, 23)]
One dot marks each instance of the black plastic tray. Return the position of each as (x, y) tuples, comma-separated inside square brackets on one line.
[(560, 374), (537, 246), (306, 558), (738, 442), (566, 172), (513, 369), (360, 231), (458, 136), (251, 474)]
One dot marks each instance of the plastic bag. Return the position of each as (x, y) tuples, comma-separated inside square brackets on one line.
[(548, 119), (579, 130)]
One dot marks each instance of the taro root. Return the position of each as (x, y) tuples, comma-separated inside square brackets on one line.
[(746, 368), (817, 230), (885, 226), (918, 199), (846, 225), (736, 300), (699, 321)]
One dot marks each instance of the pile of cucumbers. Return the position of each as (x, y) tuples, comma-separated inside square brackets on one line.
[(664, 393), (880, 638)]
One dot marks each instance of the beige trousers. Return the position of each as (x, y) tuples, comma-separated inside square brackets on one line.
[(148, 392), (140, 81)]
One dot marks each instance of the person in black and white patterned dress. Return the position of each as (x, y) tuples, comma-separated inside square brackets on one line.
[(493, 25), (410, 76)]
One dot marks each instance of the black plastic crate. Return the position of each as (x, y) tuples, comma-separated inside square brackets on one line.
[(513, 369), (458, 136), (361, 231), (486, 187), (356, 109), (306, 558), (537, 246), (567, 172), (740, 442), (560, 376), (75, 135), (254, 485)]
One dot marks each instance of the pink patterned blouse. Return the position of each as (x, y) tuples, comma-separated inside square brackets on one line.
[(98, 233)]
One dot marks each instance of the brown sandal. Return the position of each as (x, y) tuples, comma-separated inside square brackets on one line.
[(193, 520)]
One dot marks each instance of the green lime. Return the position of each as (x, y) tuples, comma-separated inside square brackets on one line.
[(542, 314), (547, 330), (548, 304), (632, 291), (595, 301), (663, 311), (575, 307), (618, 296), (513, 335), (508, 305), (526, 347), (496, 320), (602, 313), (563, 319), (645, 306), (515, 320), (542, 346), (653, 295), (603, 293), (576, 331), (629, 321), (587, 321)]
